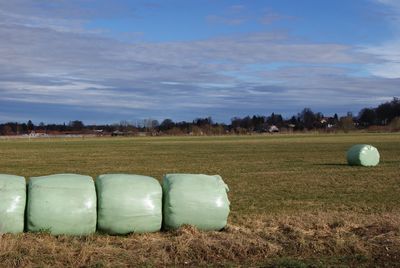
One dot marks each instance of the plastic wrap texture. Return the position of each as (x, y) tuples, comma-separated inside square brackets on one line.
[(62, 204), (12, 203), (128, 203), (195, 199), (363, 155)]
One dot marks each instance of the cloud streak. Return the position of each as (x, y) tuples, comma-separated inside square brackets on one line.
[(389, 51), (55, 60)]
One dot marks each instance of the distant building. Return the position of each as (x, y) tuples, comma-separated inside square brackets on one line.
[(273, 129), (118, 133), (38, 133), (99, 132)]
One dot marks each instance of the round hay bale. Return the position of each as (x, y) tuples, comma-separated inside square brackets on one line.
[(12, 203), (195, 199), (62, 204), (363, 155), (128, 204)]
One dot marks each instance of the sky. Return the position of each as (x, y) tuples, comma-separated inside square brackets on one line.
[(107, 61)]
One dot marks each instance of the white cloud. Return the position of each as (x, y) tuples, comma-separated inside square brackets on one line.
[(52, 59), (234, 15), (387, 52), (392, 3)]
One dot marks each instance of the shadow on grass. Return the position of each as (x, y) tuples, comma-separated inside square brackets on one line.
[(332, 164)]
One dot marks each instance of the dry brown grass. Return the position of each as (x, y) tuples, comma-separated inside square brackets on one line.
[(324, 239)]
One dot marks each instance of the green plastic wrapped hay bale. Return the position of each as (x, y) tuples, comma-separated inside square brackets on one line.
[(128, 203), (12, 203), (62, 204), (363, 155), (195, 199)]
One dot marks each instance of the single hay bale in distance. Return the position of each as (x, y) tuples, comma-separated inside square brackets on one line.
[(128, 204), (195, 199), (12, 203), (62, 204), (363, 155)]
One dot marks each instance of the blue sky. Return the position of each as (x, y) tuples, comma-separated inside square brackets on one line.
[(106, 61)]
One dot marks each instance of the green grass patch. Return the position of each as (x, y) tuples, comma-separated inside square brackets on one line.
[(266, 174)]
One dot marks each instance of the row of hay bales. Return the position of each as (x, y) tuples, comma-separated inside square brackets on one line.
[(115, 203)]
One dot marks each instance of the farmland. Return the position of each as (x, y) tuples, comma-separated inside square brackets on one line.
[(294, 200)]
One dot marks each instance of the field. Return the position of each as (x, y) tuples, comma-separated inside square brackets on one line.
[(294, 201)]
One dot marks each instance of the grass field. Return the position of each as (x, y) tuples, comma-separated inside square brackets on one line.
[(294, 201)]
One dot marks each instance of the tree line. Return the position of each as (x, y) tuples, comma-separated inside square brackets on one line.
[(385, 116)]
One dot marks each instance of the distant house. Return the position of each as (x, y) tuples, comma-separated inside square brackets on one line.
[(98, 132), (38, 133), (273, 129), (328, 122), (330, 125), (118, 133)]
